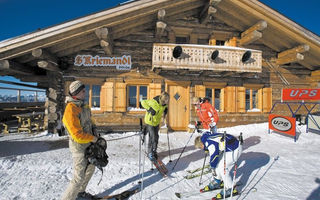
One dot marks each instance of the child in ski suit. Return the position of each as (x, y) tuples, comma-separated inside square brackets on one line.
[(207, 114), (80, 128), (214, 143), (155, 108)]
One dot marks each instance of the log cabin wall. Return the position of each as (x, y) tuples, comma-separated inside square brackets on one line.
[(114, 113)]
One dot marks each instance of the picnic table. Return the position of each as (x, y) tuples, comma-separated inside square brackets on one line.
[(30, 121)]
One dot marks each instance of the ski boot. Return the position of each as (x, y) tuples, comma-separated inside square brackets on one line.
[(214, 185), (228, 194), (152, 156)]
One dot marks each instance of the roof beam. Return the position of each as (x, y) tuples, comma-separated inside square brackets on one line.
[(292, 55), (253, 33), (160, 25), (105, 40), (15, 67), (290, 58), (206, 14), (208, 11), (48, 66), (299, 49)]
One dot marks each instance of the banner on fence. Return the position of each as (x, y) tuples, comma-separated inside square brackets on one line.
[(299, 94), (282, 124)]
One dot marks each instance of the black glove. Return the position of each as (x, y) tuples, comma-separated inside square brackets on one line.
[(153, 112)]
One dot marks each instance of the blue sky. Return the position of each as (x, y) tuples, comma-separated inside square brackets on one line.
[(18, 17)]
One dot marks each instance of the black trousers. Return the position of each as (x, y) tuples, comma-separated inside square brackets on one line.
[(153, 138)]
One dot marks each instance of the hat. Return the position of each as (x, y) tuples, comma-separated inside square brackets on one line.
[(164, 98), (75, 87)]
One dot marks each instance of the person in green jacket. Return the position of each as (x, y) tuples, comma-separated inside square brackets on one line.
[(156, 108)]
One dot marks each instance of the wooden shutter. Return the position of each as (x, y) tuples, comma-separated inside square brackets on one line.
[(230, 99), (154, 90), (200, 90), (260, 99), (267, 99), (120, 97), (241, 99), (106, 96), (222, 100)]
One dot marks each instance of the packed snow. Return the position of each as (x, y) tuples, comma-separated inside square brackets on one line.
[(272, 166)]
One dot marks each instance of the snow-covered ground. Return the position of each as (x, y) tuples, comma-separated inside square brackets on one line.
[(272, 166)]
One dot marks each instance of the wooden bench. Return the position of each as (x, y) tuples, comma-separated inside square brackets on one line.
[(29, 121), (4, 128)]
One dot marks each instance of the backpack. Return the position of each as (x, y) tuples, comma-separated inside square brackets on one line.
[(96, 154)]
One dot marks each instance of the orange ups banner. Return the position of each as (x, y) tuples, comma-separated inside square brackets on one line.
[(298, 94), (282, 124)]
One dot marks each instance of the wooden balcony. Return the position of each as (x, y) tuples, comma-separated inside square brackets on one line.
[(205, 57)]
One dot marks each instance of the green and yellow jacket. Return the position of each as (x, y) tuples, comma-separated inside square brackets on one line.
[(156, 106)]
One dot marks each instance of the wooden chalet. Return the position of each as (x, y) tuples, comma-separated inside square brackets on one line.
[(240, 53)]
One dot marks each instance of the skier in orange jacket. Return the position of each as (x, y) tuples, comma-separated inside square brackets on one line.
[(207, 114)]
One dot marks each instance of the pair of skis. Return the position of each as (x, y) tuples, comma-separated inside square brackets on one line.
[(160, 167), (121, 196), (185, 195), (193, 173)]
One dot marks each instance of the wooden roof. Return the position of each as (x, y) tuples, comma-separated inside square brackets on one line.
[(20, 55)]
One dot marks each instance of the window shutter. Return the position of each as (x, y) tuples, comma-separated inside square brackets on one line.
[(154, 90), (260, 99), (230, 99), (241, 99), (200, 90), (120, 98), (106, 96), (222, 100), (267, 99)]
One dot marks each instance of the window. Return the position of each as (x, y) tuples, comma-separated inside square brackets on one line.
[(95, 96), (136, 93), (86, 99), (92, 96), (181, 40), (220, 42), (214, 95), (252, 100), (203, 41)]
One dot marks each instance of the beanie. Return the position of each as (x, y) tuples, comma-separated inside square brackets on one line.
[(75, 87)]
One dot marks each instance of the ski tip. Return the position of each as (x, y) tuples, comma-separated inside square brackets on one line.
[(178, 195)]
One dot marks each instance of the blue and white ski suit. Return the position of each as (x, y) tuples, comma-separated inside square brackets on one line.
[(215, 145)]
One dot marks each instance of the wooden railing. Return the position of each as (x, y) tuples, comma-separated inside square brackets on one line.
[(199, 57)]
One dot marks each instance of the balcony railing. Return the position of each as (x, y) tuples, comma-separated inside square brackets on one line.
[(205, 57)]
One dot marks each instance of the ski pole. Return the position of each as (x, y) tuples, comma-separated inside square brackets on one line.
[(140, 143), (183, 150), (144, 159), (169, 146), (224, 165), (234, 177), (204, 162)]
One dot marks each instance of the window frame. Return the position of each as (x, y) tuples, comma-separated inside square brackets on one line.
[(259, 97), (137, 108)]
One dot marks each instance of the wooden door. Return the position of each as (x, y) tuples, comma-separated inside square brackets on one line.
[(178, 107)]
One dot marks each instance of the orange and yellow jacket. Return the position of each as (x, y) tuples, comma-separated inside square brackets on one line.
[(207, 114), (77, 121)]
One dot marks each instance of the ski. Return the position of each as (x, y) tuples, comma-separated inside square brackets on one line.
[(160, 167), (193, 175), (220, 196), (197, 193), (197, 169), (123, 195)]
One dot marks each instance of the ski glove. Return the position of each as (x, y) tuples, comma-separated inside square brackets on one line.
[(153, 112), (212, 124)]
